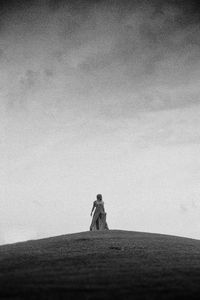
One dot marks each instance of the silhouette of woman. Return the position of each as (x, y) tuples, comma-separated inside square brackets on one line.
[(99, 216)]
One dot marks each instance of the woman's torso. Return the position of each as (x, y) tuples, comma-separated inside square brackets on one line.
[(99, 206)]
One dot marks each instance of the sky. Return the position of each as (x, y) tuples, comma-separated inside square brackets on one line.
[(99, 97)]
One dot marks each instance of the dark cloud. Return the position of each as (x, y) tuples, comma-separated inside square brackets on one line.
[(30, 79), (1, 53), (190, 8), (138, 51), (49, 73)]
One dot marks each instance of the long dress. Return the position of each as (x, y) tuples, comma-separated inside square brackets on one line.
[(99, 217)]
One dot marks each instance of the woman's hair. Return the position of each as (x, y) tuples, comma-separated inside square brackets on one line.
[(99, 197)]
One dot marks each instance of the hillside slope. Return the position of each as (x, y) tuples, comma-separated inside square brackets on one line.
[(101, 265)]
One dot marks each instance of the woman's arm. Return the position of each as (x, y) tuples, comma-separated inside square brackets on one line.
[(93, 208), (103, 207)]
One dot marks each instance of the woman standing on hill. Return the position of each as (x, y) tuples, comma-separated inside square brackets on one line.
[(99, 216)]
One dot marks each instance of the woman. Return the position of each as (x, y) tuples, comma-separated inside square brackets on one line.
[(99, 216)]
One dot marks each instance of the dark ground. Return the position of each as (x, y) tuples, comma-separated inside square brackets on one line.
[(101, 265)]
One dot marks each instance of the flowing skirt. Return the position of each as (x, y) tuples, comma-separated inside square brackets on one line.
[(99, 221)]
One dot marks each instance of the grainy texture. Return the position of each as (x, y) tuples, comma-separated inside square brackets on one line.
[(101, 265)]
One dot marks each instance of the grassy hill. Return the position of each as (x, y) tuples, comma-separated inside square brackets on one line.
[(101, 265)]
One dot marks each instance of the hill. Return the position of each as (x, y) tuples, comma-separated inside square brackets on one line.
[(101, 265)]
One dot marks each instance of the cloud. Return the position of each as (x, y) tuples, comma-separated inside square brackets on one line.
[(93, 51), (189, 206), (18, 234), (183, 208)]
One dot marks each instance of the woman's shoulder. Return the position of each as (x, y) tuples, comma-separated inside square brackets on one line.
[(99, 202)]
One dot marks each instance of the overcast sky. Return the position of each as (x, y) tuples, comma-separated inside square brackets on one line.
[(99, 97)]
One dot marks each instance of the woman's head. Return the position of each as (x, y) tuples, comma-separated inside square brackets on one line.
[(99, 197)]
